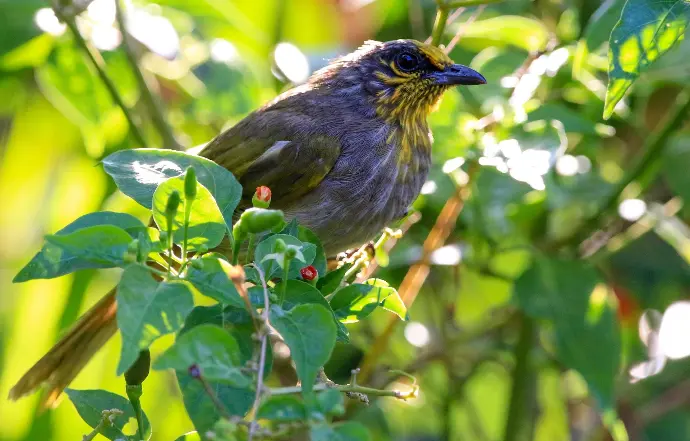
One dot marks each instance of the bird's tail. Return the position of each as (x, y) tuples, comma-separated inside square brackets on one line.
[(69, 356)]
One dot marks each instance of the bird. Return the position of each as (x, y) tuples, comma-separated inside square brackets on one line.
[(345, 154)]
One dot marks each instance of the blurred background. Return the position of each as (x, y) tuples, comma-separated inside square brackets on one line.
[(525, 157)]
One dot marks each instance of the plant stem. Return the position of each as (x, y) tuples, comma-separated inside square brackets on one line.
[(252, 238), (134, 395), (439, 24), (96, 430), (220, 407), (98, 64), (519, 414), (154, 106), (185, 230), (346, 388), (283, 285), (466, 3), (262, 352), (654, 146)]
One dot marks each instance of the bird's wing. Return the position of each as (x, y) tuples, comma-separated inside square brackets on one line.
[(282, 150)]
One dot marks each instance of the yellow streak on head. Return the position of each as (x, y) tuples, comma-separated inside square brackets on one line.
[(435, 55)]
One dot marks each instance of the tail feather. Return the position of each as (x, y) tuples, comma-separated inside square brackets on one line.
[(69, 356)]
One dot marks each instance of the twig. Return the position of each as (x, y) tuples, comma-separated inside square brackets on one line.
[(462, 28), (220, 407), (653, 147), (107, 417), (417, 274), (439, 25), (98, 64), (154, 106), (348, 388), (262, 353)]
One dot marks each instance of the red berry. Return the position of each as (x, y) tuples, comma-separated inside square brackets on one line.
[(309, 273), (263, 193)]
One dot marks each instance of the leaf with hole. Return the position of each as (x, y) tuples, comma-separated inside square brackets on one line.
[(356, 301)]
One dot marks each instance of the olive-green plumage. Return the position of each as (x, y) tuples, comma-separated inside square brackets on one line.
[(345, 154)]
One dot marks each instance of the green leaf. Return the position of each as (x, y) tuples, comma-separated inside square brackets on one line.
[(138, 172), (237, 401), (301, 293), (90, 404), (320, 262), (54, 261), (104, 245), (647, 30), (272, 265), (212, 281), (354, 302), (309, 332), (147, 310), (349, 431), (331, 402), (332, 281), (212, 349), (189, 436), (676, 161), (571, 296), (206, 226), (505, 30), (283, 408)]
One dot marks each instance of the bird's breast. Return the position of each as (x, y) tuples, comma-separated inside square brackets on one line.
[(370, 186)]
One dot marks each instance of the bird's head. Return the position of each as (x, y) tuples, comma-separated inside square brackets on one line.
[(404, 79)]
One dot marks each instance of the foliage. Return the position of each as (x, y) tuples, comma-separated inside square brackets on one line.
[(553, 217)]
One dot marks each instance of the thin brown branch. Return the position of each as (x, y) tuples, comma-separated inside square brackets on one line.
[(263, 335)]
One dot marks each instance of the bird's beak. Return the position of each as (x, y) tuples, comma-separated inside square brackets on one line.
[(457, 74)]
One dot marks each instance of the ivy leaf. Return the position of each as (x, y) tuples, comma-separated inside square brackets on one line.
[(354, 302), (309, 332), (272, 263), (206, 226), (349, 431), (54, 261), (646, 30), (283, 408), (90, 404), (571, 296), (147, 310), (138, 172), (212, 281), (212, 349)]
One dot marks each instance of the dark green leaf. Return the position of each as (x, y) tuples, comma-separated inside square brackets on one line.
[(272, 267), (212, 281), (138, 172), (53, 261), (104, 245), (354, 302), (349, 431), (283, 408), (332, 280), (206, 226), (309, 332), (147, 310), (331, 402), (572, 297), (212, 349), (647, 29), (320, 262), (90, 404), (300, 293)]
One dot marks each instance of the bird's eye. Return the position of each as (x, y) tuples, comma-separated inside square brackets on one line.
[(407, 62)]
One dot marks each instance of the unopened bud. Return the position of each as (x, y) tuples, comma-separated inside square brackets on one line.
[(172, 205), (291, 252), (279, 246), (190, 184), (262, 197)]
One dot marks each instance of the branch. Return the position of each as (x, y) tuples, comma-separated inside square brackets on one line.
[(653, 147), (154, 106), (263, 333), (519, 414), (98, 63)]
